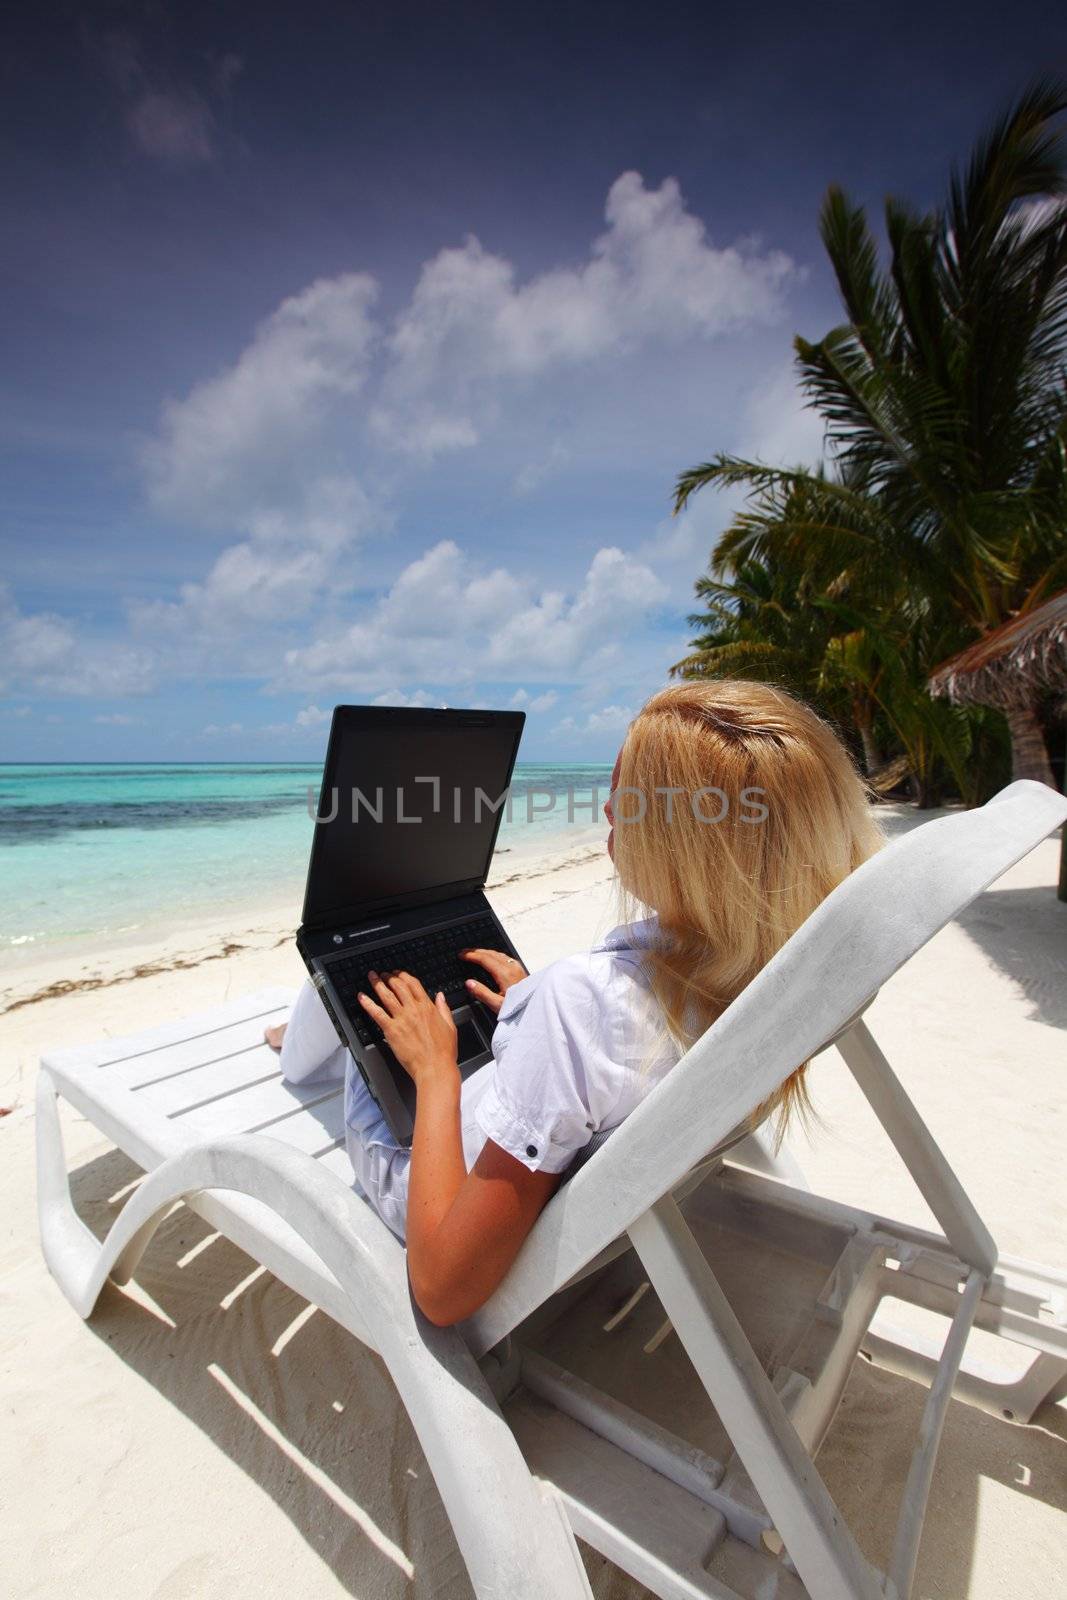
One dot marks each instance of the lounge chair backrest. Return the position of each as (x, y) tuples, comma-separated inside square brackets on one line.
[(808, 995)]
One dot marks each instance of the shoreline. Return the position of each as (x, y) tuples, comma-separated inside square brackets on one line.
[(82, 964), (152, 951)]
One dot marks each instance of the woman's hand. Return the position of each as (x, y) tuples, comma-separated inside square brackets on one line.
[(504, 971), (419, 1031)]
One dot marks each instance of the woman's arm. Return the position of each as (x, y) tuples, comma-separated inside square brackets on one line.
[(463, 1229)]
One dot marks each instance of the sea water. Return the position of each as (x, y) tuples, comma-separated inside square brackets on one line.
[(91, 853)]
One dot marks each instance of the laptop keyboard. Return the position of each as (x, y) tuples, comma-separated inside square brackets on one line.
[(431, 957)]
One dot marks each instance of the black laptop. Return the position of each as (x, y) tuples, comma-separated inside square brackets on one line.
[(410, 807)]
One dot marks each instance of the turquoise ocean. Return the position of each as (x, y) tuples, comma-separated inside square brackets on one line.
[(94, 853)]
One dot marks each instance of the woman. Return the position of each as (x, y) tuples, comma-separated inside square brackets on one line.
[(734, 811)]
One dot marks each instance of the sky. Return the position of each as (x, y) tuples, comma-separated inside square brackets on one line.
[(351, 351)]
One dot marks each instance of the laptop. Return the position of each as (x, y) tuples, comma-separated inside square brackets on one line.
[(408, 815)]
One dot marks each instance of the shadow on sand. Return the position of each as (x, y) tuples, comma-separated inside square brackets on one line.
[(307, 1412), (313, 1419), (1022, 931)]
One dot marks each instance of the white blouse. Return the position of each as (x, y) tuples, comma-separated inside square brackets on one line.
[(577, 1046)]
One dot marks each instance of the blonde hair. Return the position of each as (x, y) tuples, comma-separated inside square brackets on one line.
[(737, 811)]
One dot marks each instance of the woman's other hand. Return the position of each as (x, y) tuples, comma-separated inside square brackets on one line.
[(504, 971), (419, 1031)]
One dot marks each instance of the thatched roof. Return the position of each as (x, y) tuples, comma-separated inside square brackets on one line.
[(1004, 667)]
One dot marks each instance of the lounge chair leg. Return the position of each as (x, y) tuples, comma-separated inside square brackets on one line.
[(1043, 1383), (819, 1544), (513, 1533), (71, 1250)]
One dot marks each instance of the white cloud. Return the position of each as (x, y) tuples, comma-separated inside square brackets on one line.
[(227, 452), (311, 717), (535, 703), (534, 473), (255, 450), (169, 122), (45, 652), (776, 428), (281, 453), (398, 697), (652, 275), (172, 126), (247, 587), (609, 719), (289, 565), (328, 512), (216, 730), (779, 428), (444, 621), (172, 123), (552, 631), (117, 719)]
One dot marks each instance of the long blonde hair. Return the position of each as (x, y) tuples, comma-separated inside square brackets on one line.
[(737, 810)]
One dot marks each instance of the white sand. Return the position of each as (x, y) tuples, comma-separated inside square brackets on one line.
[(206, 1435)]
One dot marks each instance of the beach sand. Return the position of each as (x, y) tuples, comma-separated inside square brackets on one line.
[(207, 1434)]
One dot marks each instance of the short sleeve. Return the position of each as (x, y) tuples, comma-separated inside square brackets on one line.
[(551, 1083)]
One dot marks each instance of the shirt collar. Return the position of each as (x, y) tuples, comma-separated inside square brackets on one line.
[(639, 935)]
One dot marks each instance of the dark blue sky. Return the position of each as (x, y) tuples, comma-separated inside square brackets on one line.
[(274, 435)]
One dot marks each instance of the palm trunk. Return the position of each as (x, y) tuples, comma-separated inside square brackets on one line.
[(1029, 753), (922, 792), (864, 720)]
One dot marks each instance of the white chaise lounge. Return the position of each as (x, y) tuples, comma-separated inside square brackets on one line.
[(533, 1416)]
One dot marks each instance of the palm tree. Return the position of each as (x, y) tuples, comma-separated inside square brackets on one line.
[(944, 396), (807, 591)]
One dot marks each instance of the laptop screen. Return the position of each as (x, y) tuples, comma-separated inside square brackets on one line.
[(410, 806)]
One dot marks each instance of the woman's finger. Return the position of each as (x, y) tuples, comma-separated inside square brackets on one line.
[(495, 962), (404, 983), (373, 1011), (488, 997), (385, 995), (445, 1009)]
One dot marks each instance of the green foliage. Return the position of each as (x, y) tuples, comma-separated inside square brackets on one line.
[(944, 509)]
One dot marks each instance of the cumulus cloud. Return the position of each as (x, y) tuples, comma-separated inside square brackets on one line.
[(292, 454), (254, 448), (445, 621), (319, 377), (652, 275), (534, 473), (45, 652), (312, 717), (609, 719), (400, 697), (292, 562), (775, 426), (226, 452), (246, 585), (780, 427), (534, 703)]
